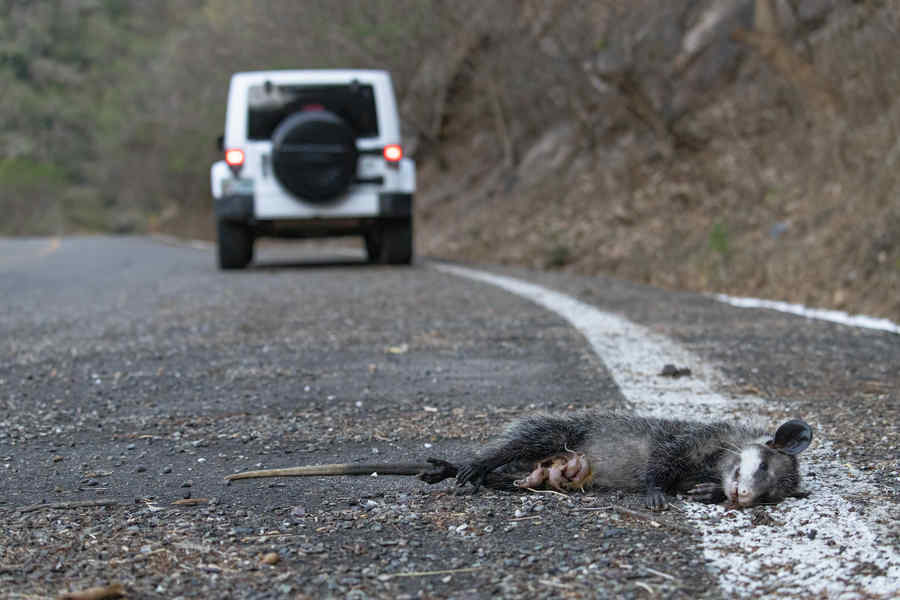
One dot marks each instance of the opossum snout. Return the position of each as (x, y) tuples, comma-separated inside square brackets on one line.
[(744, 496), (740, 492)]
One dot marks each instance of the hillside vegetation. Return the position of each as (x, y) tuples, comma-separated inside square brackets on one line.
[(742, 146)]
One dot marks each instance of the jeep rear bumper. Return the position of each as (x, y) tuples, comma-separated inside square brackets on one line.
[(234, 207), (239, 207)]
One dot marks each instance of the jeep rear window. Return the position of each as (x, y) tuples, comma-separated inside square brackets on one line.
[(268, 105)]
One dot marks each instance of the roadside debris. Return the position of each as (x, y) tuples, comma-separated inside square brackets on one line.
[(114, 590), (191, 501), (670, 370)]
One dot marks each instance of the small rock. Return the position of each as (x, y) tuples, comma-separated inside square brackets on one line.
[(762, 517), (270, 558), (670, 370)]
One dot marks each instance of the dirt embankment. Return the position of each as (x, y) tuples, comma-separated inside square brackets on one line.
[(719, 152)]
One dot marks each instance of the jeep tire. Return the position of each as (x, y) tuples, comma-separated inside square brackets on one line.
[(314, 155), (235, 245), (390, 242)]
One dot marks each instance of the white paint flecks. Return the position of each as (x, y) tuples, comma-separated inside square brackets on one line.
[(835, 316), (819, 545)]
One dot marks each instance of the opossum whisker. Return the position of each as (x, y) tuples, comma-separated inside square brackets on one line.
[(732, 444), (729, 450)]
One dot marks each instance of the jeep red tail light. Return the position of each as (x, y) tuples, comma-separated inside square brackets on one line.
[(234, 157), (393, 153)]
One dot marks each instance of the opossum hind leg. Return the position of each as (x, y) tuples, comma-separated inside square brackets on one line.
[(570, 471)]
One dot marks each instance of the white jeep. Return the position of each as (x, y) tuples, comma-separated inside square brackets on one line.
[(313, 153)]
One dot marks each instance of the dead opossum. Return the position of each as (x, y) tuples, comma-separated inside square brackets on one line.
[(711, 462)]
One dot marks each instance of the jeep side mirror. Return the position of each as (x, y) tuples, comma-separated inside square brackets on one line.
[(220, 143)]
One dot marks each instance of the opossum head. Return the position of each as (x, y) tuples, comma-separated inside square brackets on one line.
[(766, 472)]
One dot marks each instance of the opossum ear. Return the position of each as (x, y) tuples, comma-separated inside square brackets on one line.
[(792, 437)]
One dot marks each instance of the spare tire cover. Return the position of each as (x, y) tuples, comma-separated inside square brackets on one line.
[(314, 155)]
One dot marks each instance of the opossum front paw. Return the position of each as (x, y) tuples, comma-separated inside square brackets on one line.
[(710, 493), (656, 500), (442, 470)]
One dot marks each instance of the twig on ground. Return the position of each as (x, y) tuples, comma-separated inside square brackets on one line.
[(440, 572), (556, 584), (639, 514), (191, 501), (660, 574), (646, 587), (72, 504), (536, 491)]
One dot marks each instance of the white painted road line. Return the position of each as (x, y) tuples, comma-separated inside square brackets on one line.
[(835, 316), (818, 545)]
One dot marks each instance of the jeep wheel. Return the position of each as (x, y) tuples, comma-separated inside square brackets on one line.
[(393, 243), (314, 155), (235, 244)]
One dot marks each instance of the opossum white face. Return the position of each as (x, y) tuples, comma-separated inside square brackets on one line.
[(755, 473), (767, 471)]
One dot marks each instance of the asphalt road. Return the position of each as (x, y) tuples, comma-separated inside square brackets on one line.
[(132, 371)]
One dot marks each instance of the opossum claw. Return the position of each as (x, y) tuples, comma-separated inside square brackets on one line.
[(442, 470), (656, 499)]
